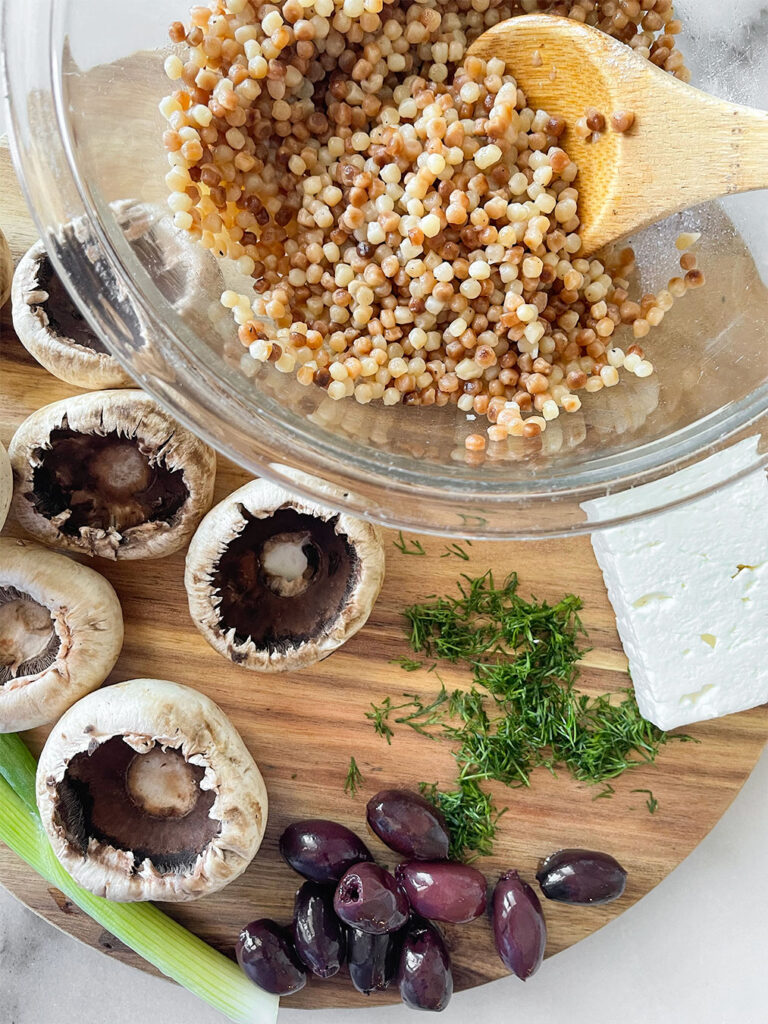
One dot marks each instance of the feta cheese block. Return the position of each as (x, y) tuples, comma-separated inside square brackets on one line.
[(690, 590)]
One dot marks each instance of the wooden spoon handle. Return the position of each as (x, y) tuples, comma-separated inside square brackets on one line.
[(707, 148)]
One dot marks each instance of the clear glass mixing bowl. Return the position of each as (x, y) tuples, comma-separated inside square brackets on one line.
[(83, 79)]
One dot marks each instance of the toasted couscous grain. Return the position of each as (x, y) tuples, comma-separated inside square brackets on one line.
[(410, 223)]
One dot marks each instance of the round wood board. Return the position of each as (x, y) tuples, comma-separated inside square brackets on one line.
[(304, 727)]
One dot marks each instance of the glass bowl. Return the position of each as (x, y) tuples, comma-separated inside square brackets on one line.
[(83, 79)]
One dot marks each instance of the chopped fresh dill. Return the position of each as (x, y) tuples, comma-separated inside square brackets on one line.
[(408, 547), (651, 803), (379, 716), (424, 715), (471, 817), (457, 550), (606, 792), (522, 711), (407, 664), (354, 778), (470, 520)]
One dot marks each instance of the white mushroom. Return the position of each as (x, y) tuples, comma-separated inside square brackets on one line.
[(6, 485), (110, 473), (275, 582), (61, 630), (6, 269), (148, 792), (53, 330), (49, 323)]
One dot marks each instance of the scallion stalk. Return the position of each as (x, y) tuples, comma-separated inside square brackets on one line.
[(148, 931)]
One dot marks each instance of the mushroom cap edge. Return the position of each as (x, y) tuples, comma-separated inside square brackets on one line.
[(94, 621), (100, 412), (161, 710)]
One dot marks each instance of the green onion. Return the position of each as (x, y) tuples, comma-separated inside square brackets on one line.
[(148, 931)]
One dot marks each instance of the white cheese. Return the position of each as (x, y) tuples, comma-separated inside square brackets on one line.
[(690, 591)]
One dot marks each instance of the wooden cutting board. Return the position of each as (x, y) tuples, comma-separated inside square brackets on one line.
[(303, 728)]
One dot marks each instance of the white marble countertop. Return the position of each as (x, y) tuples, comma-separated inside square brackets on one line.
[(693, 951)]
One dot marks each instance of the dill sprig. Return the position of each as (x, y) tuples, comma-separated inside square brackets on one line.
[(470, 815), (408, 547), (651, 803), (354, 778), (407, 664), (522, 712), (457, 550), (379, 716)]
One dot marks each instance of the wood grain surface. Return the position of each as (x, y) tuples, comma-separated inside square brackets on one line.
[(303, 728)]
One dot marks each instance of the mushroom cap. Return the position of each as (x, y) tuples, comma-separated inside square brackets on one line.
[(145, 713), (259, 499), (64, 357), (6, 269), (88, 621), (180, 268), (129, 414), (6, 485)]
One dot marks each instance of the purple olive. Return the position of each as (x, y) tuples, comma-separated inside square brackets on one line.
[(367, 898), (409, 824), (581, 876), (373, 959), (266, 954), (441, 891), (518, 925), (424, 975), (322, 850), (318, 935)]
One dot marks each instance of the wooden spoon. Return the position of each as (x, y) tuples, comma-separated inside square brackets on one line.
[(685, 146)]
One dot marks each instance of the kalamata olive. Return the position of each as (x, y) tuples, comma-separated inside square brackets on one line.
[(322, 850), (318, 935), (367, 897), (373, 959), (581, 876), (518, 925), (441, 891), (409, 824), (424, 975), (266, 954)]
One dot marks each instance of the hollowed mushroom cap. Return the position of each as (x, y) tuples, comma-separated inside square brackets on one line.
[(52, 329), (6, 269), (61, 630), (110, 473), (275, 582), (147, 792), (49, 323), (6, 485)]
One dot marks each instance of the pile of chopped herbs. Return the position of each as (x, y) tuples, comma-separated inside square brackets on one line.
[(522, 711)]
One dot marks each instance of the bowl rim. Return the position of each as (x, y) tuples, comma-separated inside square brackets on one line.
[(379, 486)]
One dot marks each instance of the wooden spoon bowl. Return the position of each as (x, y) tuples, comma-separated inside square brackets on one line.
[(685, 146)]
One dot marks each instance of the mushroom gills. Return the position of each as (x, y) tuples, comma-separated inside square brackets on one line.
[(28, 640), (149, 804), (63, 316), (284, 578), (103, 481)]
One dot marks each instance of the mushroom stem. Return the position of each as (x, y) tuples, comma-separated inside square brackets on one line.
[(286, 565), (161, 784), (26, 632)]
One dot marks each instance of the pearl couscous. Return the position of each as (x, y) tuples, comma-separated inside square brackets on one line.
[(410, 223)]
